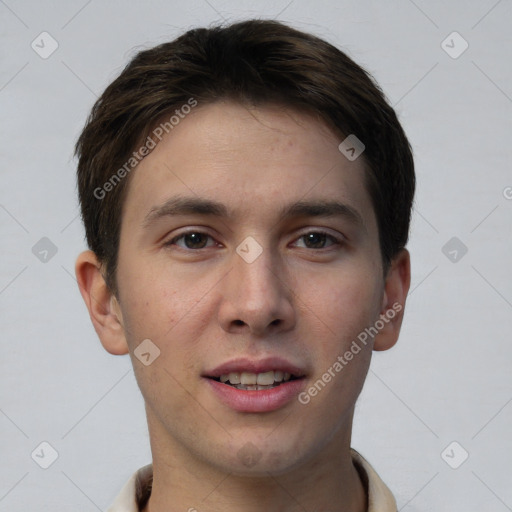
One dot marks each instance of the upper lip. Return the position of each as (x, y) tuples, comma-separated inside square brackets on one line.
[(255, 366)]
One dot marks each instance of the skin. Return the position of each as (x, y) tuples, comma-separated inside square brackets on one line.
[(304, 299)]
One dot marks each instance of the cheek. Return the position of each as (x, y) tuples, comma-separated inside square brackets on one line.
[(154, 303), (165, 381), (146, 315), (344, 304), (344, 310), (168, 313), (161, 387)]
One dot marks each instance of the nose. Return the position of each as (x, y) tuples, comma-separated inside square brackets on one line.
[(257, 297)]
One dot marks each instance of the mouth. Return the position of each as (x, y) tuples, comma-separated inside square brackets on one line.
[(256, 386), (249, 381)]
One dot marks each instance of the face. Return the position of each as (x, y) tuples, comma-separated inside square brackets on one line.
[(249, 245)]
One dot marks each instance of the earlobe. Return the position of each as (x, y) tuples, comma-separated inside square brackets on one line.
[(396, 288), (101, 303)]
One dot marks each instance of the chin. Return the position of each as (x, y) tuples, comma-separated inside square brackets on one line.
[(261, 458)]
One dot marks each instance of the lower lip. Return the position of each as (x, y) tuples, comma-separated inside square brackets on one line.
[(263, 400)]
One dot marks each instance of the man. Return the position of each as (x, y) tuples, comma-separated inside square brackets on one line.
[(246, 193)]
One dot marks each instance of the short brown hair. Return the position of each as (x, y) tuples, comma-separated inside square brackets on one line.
[(254, 62)]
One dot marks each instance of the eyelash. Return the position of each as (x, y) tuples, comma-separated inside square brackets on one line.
[(335, 241)]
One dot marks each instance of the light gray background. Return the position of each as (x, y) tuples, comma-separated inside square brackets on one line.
[(449, 377)]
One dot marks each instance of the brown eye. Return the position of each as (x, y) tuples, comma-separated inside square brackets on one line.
[(191, 240), (318, 239)]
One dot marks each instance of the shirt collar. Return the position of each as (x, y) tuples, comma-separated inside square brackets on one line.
[(136, 491)]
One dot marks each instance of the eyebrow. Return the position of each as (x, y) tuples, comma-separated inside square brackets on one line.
[(200, 206)]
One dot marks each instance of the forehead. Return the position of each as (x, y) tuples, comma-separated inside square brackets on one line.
[(256, 161)]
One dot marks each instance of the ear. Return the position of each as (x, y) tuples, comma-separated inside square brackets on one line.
[(103, 307), (396, 287)]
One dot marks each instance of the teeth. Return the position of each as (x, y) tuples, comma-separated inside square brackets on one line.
[(265, 379), (234, 378), (254, 387), (247, 380)]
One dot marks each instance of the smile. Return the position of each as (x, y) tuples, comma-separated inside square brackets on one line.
[(255, 381)]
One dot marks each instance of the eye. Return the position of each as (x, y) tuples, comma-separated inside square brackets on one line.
[(318, 239), (194, 240), (191, 240)]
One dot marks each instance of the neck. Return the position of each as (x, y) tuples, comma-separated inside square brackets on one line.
[(181, 482)]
